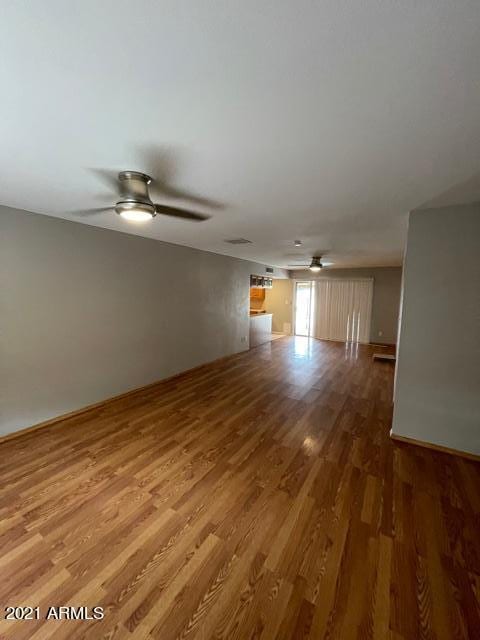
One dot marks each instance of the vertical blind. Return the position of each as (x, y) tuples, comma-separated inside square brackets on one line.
[(343, 309)]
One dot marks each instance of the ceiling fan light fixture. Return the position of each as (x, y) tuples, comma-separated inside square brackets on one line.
[(315, 265), (135, 215), (134, 203), (135, 211)]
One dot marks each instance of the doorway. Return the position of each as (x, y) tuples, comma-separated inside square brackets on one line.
[(304, 308)]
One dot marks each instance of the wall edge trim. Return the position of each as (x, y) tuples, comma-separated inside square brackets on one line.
[(435, 447)]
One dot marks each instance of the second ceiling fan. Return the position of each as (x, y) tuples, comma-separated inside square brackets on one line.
[(315, 265)]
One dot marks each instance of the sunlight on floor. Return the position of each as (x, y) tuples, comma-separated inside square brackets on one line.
[(302, 347)]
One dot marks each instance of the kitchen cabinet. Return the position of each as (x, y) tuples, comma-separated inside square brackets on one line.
[(258, 294)]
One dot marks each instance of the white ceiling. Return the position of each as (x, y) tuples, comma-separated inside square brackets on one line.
[(324, 121)]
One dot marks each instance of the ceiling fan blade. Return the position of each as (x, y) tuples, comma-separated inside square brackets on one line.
[(175, 193), (108, 177), (90, 212), (180, 213), (298, 265), (163, 164)]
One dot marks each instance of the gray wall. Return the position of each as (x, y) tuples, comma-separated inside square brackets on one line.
[(87, 313), (437, 394), (386, 297)]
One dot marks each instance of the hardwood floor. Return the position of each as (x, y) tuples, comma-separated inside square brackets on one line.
[(257, 497)]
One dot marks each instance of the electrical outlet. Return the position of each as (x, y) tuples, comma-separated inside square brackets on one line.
[(243, 339), (380, 333)]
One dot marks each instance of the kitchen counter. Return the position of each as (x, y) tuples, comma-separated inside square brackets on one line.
[(260, 328)]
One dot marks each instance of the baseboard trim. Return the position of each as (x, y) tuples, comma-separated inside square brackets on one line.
[(435, 447), (383, 344), (103, 403)]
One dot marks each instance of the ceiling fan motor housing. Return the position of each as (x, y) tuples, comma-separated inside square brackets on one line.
[(134, 193)]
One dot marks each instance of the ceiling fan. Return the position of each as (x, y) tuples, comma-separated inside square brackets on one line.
[(315, 265), (134, 201)]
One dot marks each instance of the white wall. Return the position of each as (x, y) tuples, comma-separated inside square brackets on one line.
[(386, 297), (437, 395), (87, 313)]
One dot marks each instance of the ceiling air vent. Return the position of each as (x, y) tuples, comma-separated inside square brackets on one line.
[(239, 241), (269, 269)]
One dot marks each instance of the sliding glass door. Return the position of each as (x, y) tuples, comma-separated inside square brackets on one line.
[(304, 308), (334, 309)]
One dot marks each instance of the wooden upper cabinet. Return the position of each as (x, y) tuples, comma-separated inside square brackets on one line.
[(258, 294)]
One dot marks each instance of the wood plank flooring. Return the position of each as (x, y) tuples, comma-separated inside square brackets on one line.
[(257, 497)]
